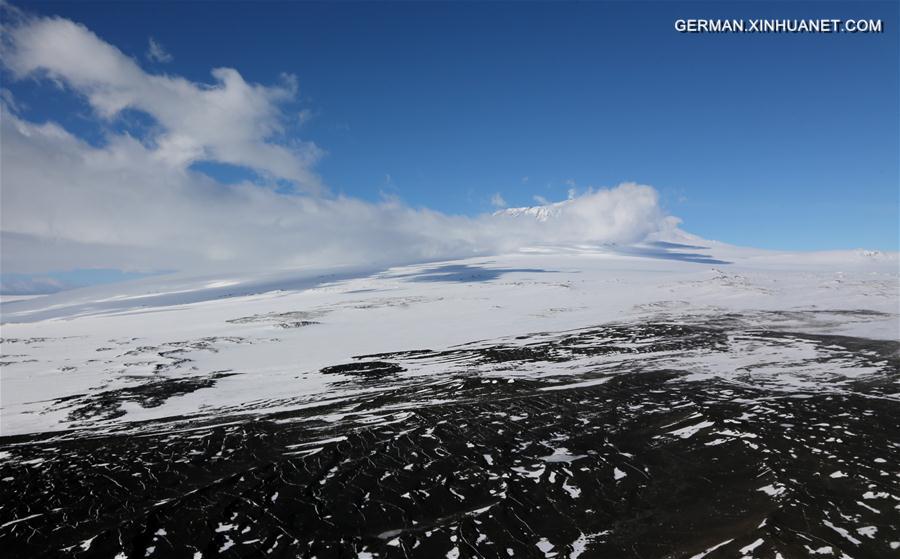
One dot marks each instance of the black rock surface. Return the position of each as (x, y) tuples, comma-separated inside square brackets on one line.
[(642, 462)]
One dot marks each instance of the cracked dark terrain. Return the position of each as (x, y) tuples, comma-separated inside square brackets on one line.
[(618, 458)]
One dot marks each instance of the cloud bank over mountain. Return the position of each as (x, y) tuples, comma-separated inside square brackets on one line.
[(137, 202)]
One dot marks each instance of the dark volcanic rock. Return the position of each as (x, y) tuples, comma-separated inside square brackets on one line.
[(364, 369), (644, 463), (107, 404)]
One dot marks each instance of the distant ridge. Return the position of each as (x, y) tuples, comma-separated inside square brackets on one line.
[(539, 213)]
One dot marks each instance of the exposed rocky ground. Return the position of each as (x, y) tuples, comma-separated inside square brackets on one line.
[(624, 440)]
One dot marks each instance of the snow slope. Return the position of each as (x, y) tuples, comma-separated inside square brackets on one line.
[(252, 340)]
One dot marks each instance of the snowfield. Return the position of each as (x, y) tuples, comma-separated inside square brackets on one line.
[(251, 340), (672, 399)]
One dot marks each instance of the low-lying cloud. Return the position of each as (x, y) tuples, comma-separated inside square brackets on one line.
[(138, 204)]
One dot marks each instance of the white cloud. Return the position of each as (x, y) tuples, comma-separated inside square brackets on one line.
[(136, 204), (305, 116), (497, 200), (230, 121), (29, 286), (156, 52)]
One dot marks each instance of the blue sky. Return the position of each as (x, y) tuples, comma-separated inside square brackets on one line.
[(774, 141)]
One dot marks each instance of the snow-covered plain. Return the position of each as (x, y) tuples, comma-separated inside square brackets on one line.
[(259, 340)]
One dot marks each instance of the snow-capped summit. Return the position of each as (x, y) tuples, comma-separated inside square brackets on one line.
[(540, 213)]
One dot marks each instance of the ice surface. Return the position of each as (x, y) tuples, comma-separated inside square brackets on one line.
[(181, 346)]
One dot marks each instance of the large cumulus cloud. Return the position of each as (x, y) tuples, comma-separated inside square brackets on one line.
[(136, 203)]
